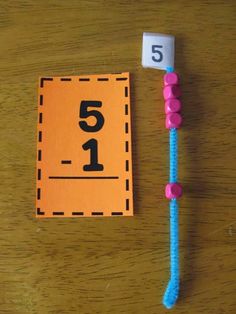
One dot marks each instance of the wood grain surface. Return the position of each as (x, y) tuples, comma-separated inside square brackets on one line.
[(121, 265)]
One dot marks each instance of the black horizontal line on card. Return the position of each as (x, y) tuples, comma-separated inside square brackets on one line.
[(97, 213), (77, 213), (117, 213), (102, 79), (84, 79), (58, 213), (65, 79), (82, 178), (66, 162), (121, 78)]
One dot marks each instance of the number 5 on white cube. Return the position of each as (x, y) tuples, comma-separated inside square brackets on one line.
[(158, 51)]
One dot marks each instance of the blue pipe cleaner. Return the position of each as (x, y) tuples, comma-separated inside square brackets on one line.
[(173, 138), (172, 291)]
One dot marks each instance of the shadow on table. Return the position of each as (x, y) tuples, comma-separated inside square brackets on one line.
[(194, 117)]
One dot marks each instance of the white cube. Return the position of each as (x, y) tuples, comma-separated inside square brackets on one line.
[(158, 51)]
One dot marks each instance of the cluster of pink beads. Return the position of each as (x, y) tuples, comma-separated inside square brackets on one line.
[(171, 94)]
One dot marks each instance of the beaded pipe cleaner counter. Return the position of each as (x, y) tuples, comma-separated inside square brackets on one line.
[(158, 53)]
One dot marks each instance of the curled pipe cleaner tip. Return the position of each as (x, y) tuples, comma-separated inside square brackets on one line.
[(171, 294)]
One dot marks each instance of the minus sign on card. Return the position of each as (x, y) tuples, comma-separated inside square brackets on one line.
[(66, 162), (83, 177)]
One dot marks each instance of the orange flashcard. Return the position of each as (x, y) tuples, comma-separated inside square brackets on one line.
[(84, 161)]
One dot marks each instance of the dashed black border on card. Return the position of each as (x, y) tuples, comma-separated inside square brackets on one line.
[(67, 80)]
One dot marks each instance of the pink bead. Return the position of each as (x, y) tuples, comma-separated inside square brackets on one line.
[(172, 105), (171, 79), (173, 190), (173, 120), (171, 91)]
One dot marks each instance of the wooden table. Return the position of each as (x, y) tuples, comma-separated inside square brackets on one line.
[(121, 265)]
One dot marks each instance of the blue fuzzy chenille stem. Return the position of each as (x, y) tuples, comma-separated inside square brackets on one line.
[(172, 290), (173, 139)]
